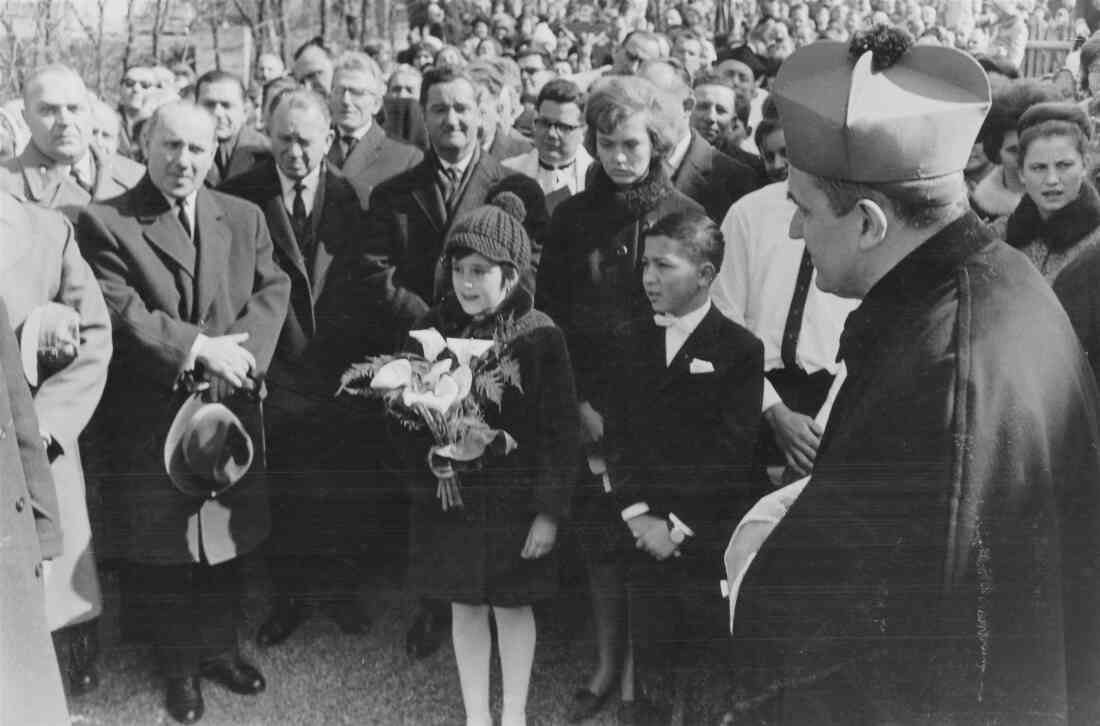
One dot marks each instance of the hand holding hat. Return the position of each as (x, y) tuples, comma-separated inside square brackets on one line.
[(208, 449)]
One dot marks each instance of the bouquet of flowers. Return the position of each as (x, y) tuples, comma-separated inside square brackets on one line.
[(445, 391)]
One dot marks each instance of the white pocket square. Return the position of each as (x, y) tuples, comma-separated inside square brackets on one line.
[(700, 366)]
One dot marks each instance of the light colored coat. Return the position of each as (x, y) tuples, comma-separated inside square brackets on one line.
[(35, 177), (30, 683), (40, 263)]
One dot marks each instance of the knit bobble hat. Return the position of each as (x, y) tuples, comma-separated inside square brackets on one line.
[(494, 231)]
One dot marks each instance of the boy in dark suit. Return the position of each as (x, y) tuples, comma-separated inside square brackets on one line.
[(681, 435)]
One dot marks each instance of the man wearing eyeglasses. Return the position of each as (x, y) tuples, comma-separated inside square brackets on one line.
[(558, 162), (136, 84), (361, 149)]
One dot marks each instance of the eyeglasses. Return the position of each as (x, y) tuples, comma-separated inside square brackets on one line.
[(548, 125), (131, 83)]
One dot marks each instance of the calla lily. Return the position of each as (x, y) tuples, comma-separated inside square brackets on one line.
[(464, 377), (467, 348), (443, 366), (439, 399), (432, 342), (395, 374)]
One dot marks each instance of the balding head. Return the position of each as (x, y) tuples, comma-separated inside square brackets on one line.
[(180, 145), (57, 113)]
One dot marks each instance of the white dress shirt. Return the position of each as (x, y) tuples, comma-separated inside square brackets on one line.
[(757, 280), (85, 169), (678, 333), (309, 189)]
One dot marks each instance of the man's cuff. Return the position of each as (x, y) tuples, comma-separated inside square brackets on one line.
[(635, 510), (193, 354), (679, 524), (771, 396)]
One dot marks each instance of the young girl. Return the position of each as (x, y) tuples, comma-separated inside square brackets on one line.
[(495, 552)]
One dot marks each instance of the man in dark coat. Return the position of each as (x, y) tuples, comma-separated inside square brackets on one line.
[(362, 151), (940, 565), (194, 293), (319, 462), (30, 682), (697, 169), (240, 147), (409, 215)]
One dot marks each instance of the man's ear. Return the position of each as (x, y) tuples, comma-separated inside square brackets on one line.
[(708, 272), (874, 224)]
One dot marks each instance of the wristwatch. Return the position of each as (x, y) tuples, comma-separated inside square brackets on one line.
[(675, 533)]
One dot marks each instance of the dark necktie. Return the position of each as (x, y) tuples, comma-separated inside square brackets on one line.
[(185, 220), (299, 219), (221, 160), (347, 142), (789, 349)]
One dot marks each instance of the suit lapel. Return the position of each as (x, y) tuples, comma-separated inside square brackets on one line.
[(473, 189), (426, 194), (364, 152), (327, 215), (692, 173), (41, 179), (214, 240), (698, 345), (161, 229)]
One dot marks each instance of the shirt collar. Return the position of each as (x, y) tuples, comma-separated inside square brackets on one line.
[(85, 167), (189, 202), (460, 166), (688, 322), (358, 134), (676, 157), (308, 182)]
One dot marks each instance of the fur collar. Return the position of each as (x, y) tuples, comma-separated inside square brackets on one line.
[(635, 200), (1065, 228)]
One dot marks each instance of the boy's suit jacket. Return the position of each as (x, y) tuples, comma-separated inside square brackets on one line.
[(683, 441)]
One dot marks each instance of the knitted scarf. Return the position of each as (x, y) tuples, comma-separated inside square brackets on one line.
[(633, 201)]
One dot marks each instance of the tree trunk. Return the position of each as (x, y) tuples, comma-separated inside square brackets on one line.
[(128, 50), (216, 42), (280, 24), (323, 11), (365, 27), (157, 9)]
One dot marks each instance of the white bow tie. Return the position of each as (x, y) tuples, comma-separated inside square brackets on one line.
[(664, 320)]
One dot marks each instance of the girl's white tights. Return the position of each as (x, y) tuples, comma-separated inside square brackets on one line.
[(473, 644)]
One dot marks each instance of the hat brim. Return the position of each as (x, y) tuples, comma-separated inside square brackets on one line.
[(175, 464)]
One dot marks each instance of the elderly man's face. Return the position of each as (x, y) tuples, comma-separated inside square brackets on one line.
[(314, 69), (269, 68), (58, 115), (136, 85), (181, 149), (225, 101), (300, 138), (404, 85), (105, 130), (713, 115), (356, 98)]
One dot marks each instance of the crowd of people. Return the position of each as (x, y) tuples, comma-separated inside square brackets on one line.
[(806, 306)]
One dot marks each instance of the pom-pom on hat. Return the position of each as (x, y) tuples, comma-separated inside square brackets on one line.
[(495, 231), (1055, 111), (880, 110)]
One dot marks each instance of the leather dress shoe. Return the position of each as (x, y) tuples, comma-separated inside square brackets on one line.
[(235, 674), (285, 618), (183, 699), (425, 636), (586, 704)]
